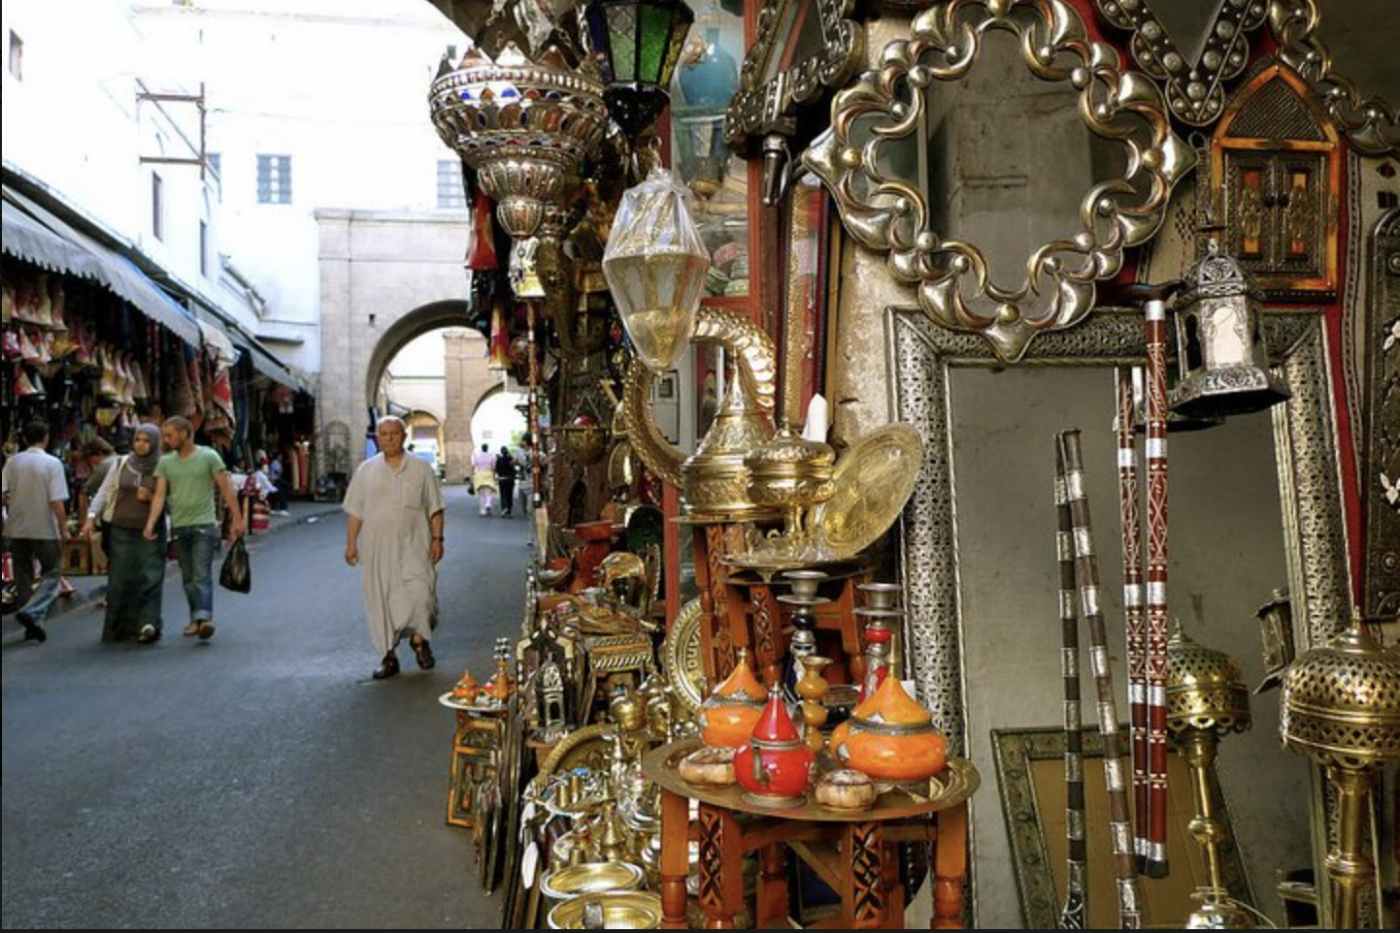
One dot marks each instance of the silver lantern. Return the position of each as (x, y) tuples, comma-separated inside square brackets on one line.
[(1221, 356)]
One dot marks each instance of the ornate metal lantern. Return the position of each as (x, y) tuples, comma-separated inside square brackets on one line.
[(1341, 708), (655, 264), (524, 126), (636, 44), (1221, 356), (1206, 700)]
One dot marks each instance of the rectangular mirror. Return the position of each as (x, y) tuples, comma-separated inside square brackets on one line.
[(1255, 505)]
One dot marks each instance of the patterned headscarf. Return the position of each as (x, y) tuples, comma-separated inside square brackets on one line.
[(146, 465)]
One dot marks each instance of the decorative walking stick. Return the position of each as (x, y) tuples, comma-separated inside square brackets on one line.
[(1075, 914), (1157, 626), (1131, 521), (1071, 461)]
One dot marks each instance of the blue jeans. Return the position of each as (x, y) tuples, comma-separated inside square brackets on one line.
[(194, 548), (36, 596)]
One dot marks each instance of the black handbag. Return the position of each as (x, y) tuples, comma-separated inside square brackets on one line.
[(237, 573)]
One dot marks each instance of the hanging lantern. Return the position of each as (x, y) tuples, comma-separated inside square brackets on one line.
[(524, 126), (1221, 355), (636, 44), (655, 264)]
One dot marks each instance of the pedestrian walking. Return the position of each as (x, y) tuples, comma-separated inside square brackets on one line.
[(395, 500), (135, 564), (187, 476), (278, 499), (506, 470), (484, 479), (36, 522)]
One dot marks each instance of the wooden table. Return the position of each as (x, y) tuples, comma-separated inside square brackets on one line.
[(855, 852)]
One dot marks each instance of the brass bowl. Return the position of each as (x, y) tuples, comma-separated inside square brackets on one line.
[(591, 878), (634, 910)]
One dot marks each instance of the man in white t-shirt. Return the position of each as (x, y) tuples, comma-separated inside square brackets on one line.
[(36, 500)]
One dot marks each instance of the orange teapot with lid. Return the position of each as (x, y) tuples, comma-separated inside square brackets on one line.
[(727, 718), (890, 737)]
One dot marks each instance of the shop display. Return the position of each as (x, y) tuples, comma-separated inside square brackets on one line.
[(713, 675)]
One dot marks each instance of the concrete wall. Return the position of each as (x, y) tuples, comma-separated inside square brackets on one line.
[(468, 382)]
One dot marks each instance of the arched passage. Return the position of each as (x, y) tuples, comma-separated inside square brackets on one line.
[(399, 334)]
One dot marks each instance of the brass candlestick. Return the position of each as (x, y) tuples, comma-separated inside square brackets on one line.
[(1206, 700), (1341, 708)]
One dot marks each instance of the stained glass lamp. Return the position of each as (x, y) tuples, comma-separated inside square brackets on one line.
[(636, 44)]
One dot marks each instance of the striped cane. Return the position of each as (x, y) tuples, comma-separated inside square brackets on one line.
[(1087, 575), (1157, 634), (1131, 521), (1075, 914)]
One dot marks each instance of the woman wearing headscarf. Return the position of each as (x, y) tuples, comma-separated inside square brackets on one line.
[(135, 566)]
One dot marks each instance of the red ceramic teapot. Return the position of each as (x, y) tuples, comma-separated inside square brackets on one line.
[(775, 768)]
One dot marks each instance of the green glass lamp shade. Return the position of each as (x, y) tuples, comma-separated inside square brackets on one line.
[(636, 44)]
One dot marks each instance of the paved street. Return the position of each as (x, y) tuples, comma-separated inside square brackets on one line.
[(261, 779)]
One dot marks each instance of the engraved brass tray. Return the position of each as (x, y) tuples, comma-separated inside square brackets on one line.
[(873, 481), (681, 659)]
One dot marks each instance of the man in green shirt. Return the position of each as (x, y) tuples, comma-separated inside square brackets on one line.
[(187, 477)]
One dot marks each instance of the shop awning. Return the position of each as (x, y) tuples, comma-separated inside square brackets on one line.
[(266, 364), (35, 235)]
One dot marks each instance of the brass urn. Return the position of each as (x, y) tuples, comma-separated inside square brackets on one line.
[(1341, 708), (715, 480), (791, 474)]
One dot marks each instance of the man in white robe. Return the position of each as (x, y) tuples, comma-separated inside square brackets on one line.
[(395, 500)]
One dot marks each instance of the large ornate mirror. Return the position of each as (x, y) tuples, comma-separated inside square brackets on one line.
[(1004, 162), (1258, 495)]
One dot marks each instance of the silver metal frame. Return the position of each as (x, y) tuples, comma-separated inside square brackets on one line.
[(922, 355), (890, 214)]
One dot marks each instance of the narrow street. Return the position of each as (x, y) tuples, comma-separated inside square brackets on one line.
[(260, 779)]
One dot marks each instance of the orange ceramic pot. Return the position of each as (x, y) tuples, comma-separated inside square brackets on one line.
[(727, 718), (890, 737)]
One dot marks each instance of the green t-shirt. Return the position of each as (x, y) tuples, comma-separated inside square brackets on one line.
[(191, 486)]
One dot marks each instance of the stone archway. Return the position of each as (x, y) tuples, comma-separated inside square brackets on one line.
[(383, 281)]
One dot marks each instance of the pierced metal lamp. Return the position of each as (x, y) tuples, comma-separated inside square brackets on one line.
[(1206, 700), (1341, 708)]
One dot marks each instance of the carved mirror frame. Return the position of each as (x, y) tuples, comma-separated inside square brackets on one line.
[(1371, 124), (769, 107), (922, 356), (1195, 90), (890, 214)]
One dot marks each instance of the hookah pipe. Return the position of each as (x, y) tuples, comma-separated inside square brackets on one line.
[(1070, 472), (1075, 913), (1154, 300)]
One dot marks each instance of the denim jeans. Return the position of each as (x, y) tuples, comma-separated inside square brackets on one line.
[(36, 596), (194, 548)]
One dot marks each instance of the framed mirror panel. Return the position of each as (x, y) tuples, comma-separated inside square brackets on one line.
[(962, 126)]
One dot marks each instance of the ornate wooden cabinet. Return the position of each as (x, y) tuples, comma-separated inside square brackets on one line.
[(1278, 165)]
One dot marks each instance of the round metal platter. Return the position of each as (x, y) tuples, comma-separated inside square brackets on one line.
[(873, 481), (681, 660)]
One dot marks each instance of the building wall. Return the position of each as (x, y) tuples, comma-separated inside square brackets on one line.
[(72, 121), (342, 90), (468, 382)]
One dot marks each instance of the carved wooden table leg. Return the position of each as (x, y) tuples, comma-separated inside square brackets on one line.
[(894, 889), (949, 868), (675, 859), (721, 867), (772, 887), (766, 623), (863, 887)]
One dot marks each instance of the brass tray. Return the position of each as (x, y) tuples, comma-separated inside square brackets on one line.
[(873, 481), (681, 659), (955, 784), (452, 702)]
